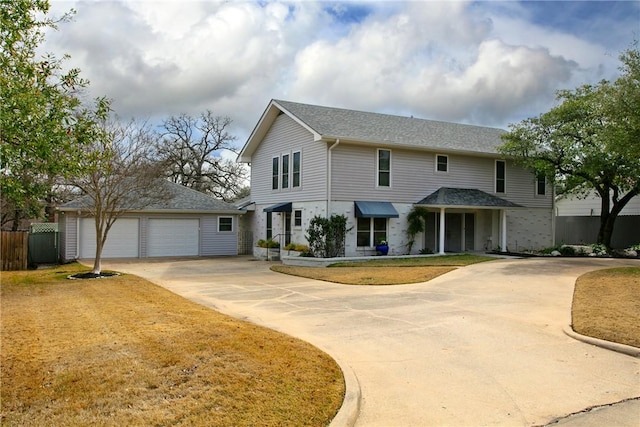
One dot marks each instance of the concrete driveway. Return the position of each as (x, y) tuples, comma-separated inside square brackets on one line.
[(482, 345)]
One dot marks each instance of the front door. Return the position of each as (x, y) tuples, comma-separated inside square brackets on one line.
[(453, 232)]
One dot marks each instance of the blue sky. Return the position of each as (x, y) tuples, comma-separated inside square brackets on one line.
[(487, 63)]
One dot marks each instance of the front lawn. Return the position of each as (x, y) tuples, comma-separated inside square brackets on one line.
[(122, 351), (606, 305)]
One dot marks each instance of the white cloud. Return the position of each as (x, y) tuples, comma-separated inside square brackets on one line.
[(487, 63)]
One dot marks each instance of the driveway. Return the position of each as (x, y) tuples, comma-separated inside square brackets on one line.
[(482, 345)]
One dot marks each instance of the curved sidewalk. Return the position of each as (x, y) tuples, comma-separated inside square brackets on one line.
[(482, 345)]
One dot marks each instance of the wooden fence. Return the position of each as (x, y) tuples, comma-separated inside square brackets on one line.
[(14, 247)]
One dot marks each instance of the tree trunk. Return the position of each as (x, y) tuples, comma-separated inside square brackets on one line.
[(16, 220), (605, 232), (97, 267), (608, 217)]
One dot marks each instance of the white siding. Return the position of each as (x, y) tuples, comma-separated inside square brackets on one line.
[(285, 137), (215, 242), (413, 176), (68, 236), (591, 206)]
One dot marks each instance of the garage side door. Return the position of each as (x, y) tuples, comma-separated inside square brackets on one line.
[(173, 237), (122, 240)]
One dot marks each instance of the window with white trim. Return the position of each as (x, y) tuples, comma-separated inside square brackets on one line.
[(442, 163), (384, 168), (285, 171), (501, 176), (225, 223), (370, 231), (297, 218), (297, 157), (275, 173)]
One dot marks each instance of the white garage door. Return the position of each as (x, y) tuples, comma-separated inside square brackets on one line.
[(173, 237), (122, 239)]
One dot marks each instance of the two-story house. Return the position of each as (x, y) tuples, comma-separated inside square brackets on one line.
[(309, 160)]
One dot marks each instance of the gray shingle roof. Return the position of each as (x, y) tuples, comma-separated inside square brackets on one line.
[(182, 199), (331, 123), (468, 197)]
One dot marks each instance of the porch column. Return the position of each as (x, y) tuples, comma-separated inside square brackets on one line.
[(503, 231), (441, 246)]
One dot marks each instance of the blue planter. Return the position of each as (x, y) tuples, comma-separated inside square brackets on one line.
[(382, 249)]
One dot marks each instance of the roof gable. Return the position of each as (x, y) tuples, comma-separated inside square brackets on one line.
[(327, 123)]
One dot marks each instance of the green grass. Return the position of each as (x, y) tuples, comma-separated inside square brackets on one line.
[(458, 260)]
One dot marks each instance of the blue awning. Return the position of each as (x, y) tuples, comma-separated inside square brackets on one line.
[(375, 210), (280, 207)]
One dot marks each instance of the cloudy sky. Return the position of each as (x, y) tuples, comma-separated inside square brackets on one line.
[(488, 63)]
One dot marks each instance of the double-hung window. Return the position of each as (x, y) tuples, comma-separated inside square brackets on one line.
[(225, 223), (442, 163), (285, 171), (275, 173), (501, 176), (384, 168), (370, 231), (297, 218), (296, 169)]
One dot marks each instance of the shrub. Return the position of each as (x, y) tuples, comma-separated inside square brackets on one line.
[(567, 251), (326, 235), (296, 247), (598, 248), (549, 250), (269, 243), (426, 251)]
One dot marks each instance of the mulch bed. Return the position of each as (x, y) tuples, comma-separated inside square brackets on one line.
[(90, 275)]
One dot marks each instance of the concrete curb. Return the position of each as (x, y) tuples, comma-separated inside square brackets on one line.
[(614, 346), (350, 409)]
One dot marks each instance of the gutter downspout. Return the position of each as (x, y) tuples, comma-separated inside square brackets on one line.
[(329, 173)]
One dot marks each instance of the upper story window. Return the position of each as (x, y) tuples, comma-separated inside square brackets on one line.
[(296, 169), (285, 171), (541, 184), (442, 163), (225, 223), (384, 168), (275, 173), (501, 176)]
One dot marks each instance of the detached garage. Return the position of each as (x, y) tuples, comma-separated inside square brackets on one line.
[(189, 224)]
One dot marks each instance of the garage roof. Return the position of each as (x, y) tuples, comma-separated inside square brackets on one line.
[(181, 199)]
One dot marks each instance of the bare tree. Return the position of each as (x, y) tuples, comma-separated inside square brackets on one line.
[(123, 177), (191, 149)]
